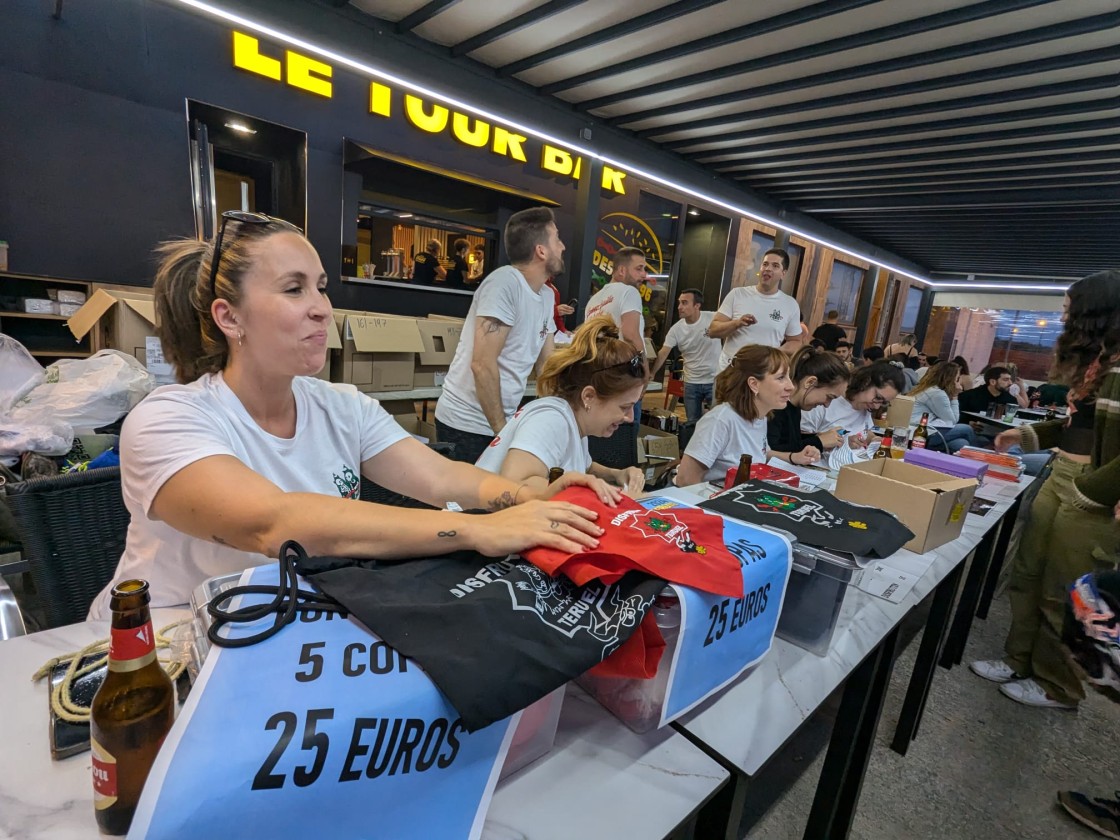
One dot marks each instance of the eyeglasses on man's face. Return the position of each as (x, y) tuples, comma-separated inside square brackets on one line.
[(246, 218)]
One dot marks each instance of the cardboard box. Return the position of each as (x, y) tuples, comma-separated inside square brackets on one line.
[(127, 319), (422, 430), (378, 352), (899, 412), (931, 504), (441, 338), (429, 376), (334, 345), (658, 452)]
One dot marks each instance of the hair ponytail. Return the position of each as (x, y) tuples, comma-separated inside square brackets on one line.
[(597, 356), (191, 340), (828, 368)]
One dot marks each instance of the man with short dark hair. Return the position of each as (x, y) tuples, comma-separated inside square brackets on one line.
[(997, 383), (761, 314), (621, 299), (844, 351), (830, 332), (699, 351), (508, 329), (873, 354)]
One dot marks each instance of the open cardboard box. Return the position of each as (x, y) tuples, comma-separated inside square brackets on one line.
[(441, 339), (127, 320), (899, 412), (422, 430), (931, 504), (378, 351), (658, 452)]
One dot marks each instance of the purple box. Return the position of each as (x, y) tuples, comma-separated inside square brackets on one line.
[(949, 464)]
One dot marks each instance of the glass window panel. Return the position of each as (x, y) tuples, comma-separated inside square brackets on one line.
[(843, 291)]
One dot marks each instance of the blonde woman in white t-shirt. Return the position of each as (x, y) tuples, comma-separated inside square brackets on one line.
[(589, 388), (249, 451), (756, 383)]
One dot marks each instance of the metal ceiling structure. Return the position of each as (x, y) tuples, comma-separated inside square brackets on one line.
[(972, 137)]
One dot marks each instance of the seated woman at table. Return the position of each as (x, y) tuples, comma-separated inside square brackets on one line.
[(819, 378), (588, 387), (751, 387), (936, 395), (869, 389), (251, 450), (1071, 530)]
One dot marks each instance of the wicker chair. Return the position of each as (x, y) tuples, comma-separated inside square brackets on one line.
[(372, 492), (618, 451), (73, 530)]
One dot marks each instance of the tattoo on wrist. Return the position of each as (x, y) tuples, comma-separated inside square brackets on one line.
[(447, 534), (503, 501)]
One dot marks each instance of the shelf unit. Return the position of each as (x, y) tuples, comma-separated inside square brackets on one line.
[(46, 337)]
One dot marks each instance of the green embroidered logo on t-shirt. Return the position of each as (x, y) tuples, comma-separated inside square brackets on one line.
[(348, 484)]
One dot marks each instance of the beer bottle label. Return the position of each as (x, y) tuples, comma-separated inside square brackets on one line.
[(104, 776), (132, 648)]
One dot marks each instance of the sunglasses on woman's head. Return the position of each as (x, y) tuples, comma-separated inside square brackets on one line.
[(245, 218), (635, 366)]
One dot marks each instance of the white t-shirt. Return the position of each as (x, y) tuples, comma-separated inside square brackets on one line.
[(700, 353), (777, 317), (337, 429), (616, 299), (506, 296), (546, 428), (839, 415), (722, 436)]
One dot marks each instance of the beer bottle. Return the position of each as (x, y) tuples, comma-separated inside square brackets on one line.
[(884, 450), (921, 434), (131, 712), (554, 473), (1051, 413), (743, 474)]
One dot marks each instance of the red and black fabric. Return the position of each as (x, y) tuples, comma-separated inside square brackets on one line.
[(495, 635), (815, 518), (682, 545)]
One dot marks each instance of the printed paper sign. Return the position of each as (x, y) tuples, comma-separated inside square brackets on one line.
[(322, 730), (722, 637)]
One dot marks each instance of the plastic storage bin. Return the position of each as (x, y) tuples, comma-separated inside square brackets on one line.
[(814, 595), (535, 733)]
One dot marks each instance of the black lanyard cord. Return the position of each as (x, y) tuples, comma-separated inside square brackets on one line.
[(288, 600)]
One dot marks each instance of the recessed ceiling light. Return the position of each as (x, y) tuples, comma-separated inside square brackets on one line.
[(404, 215), (240, 128), (694, 212)]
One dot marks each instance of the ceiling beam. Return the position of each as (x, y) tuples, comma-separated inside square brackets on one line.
[(607, 34), (422, 15), (529, 18), (1030, 37)]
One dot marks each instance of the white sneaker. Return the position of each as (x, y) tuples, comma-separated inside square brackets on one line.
[(995, 670), (1030, 693)]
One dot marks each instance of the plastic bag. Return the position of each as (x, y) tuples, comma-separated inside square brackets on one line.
[(19, 372), (46, 438), (85, 393)]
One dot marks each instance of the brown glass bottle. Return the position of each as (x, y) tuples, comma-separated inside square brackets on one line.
[(743, 474), (132, 711), (884, 450), (555, 473), (921, 434)]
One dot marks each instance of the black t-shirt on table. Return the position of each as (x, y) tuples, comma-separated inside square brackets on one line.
[(978, 399), (424, 268), (783, 431), (831, 335)]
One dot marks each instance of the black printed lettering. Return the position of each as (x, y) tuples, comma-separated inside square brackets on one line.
[(446, 759), (265, 779), (317, 741), (314, 660), (383, 752), (410, 740), (357, 749), (433, 741), (349, 667)]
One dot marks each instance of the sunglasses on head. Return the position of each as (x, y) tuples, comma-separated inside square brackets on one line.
[(245, 218), (635, 366)]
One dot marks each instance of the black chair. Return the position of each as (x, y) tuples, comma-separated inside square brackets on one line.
[(73, 529), (618, 451), (373, 492)]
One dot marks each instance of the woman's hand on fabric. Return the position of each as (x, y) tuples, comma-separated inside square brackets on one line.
[(607, 493), (633, 481), (1005, 440), (559, 525)]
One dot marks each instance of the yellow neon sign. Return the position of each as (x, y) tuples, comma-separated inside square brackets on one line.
[(314, 76)]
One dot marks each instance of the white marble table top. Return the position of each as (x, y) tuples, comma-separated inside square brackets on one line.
[(634, 785), (749, 721)]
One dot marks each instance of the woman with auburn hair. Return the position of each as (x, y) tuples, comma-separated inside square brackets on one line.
[(936, 395), (1071, 531), (819, 377), (755, 384), (588, 387), (250, 450)]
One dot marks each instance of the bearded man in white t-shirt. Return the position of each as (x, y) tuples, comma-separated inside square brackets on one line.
[(699, 351), (761, 314), (508, 331), (621, 299)]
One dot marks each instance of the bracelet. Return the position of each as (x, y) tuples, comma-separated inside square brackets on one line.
[(517, 492)]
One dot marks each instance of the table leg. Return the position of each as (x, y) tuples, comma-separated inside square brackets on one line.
[(721, 815), (998, 559), (970, 597), (933, 639), (849, 750)]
